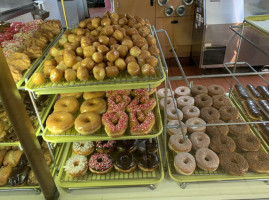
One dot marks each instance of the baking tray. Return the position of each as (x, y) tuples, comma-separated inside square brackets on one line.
[(111, 179), (73, 136)]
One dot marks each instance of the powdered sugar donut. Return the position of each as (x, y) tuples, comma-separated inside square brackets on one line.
[(169, 103), (172, 114), (195, 121), (161, 93), (182, 91), (190, 112), (174, 131), (185, 101)]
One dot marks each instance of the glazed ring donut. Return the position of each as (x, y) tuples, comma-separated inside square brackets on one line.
[(66, 104), (96, 105), (220, 101), (169, 102), (161, 93), (76, 166), (198, 89), (215, 90), (60, 122), (207, 159), (182, 91), (144, 103), (203, 100), (195, 121), (190, 112), (185, 101), (217, 130), (76, 95), (172, 114), (100, 163), (117, 102), (238, 128), (177, 143), (83, 148), (233, 163), (248, 142), (199, 140), (93, 95), (117, 92), (184, 163), (175, 131), (142, 92), (209, 113), (222, 143), (228, 113), (87, 123), (258, 162)]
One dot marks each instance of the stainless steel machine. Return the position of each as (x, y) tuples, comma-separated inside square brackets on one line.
[(213, 43)]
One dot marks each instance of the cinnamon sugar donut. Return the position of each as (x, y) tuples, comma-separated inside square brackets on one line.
[(177, 143), (185, 101), (209, 113), (215, 90), (182, 91), (238, 128), (190, 112), (199, 140), (206, 159), (161, 93), (195, 121), (174, 131), (222, 143), (217, 130), (198, 89), (248, 142), (203, 100), (258, 162), (184, 163), (220, 101), (172, 114), (169, 103), (228, 113)]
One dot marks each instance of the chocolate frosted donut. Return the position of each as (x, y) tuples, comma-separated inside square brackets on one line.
[(198, 89), (209, 113), (264, 129), (228, 113), (184, 163), (148, 146), (233, 163), (263, 91), (254, 92), (126, 145), (199, 140), (190, 112), (252, 110), (238, 128), (241, 92), (195, 121), (217, 130), (203, 100), (206, 159), (248, 142), (185, 101), (222, 143), (220, 101), (215, 90), (173, 131), (265, 105), (125, 162), (182, 91), (148, 162), (258, 162)]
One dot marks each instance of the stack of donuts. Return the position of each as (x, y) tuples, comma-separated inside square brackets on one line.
[(109, 108), (102, 156), (211, 145)]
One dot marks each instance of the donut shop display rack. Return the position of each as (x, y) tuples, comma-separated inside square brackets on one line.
[(199, 175)]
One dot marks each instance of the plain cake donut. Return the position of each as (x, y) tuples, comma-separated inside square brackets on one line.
[(190, 112), (185, 101), (59, 122), (220, 101), (161, 93), (235, 129), (203, 100), (182, 91), (217, 129), (209, 113), (199, 140), (177, 143), (215, 90), (248, 142), (258, 162), (172, 114), (206, 159), (222, 143), (66, 104), (198, 89), (228, 113), (184, 163), (174, 131), (195, 121)]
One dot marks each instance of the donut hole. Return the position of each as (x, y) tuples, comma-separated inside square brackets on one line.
[(87, 120), (174, 112), (181, 141), (222, 141), (234, 161), (207, 159), (199, 88), (191, 110), (182, 90), (196, 123), (185, 100), (229, 110), (99, 160), (216, 88), (64, 105), (124, 159), (200, 139), (249, 140), (76, 163), (210, 112), (186, 160), (203, 99)]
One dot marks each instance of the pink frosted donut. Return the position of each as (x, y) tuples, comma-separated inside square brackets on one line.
[(185, 101), (169, 102), (161, 93), (100, 163), (195, 121), (177, 143), (172, 114), (117, 102), (174, 131), (184, 163), (182, 91), (190, 112), (199, 140), (207, 159)]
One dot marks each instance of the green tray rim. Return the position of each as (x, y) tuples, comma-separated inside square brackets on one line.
[(252, 19)]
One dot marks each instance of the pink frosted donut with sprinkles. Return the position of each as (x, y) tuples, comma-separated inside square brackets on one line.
[(141, 122), (100, 163), (117, 92), (115, 123), (118, 103), (142, 92), (144, 103)]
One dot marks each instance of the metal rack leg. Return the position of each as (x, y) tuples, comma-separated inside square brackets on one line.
[(37, 191), (183, 185), (68, 190), (152, 187)]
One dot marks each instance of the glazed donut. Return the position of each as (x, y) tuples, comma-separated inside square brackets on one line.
[(96, 105), (238, 128), (203, 100), (93, 95), (258, 162), (169, 102), (148, 146), (172, 114), (125, 162), (59, 122), (198, 89), (141, 122), (185, 101), (175, 131), (228, 113), (195, 121), (87, 123), (83, 148), (220, 101), (161, 93), (100, 163), (263, 91), (209, 113), (215, 90), (118, 92), (127, 145), (248, 142), (233, 163), (148, 162), (66, 104), (117, 102), (240, 92), (184, 163), (76, 95), (76, 166), (177, 143), (206, 159), (217, 130), (199, 140), (182, 91), (190, 112), (222, 143), (105, 146), (254, 92), (144, 103), (143, 92), (5, 172), (252, 109), (115, 123)]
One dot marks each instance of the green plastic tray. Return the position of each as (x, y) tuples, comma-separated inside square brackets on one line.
[(73, 136), (111, 179), (260, 22)]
